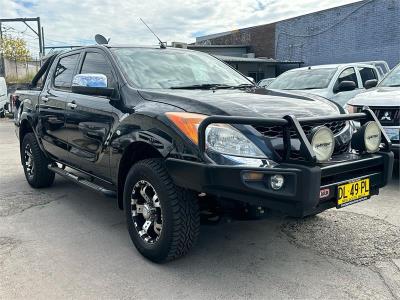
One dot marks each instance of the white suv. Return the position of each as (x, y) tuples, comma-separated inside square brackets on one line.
[(384, 100), (3, 96), (338, 83)]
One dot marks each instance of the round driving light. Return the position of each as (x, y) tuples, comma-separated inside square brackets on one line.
[(277, 182), (367, 138), (372, 136), (322, 142)]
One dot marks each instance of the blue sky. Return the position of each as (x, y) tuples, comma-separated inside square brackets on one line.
[(76, 22)]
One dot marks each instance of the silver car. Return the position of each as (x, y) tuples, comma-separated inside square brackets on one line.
[(338, 83), (384, 100)]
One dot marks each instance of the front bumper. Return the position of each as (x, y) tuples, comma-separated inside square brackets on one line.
[(300, 195)]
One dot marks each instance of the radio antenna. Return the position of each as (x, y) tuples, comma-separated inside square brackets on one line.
[(162, 45)]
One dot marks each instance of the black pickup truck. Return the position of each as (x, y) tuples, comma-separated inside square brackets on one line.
[(171, 133)]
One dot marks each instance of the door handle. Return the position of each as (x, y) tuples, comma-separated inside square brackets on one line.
[(72, 105), (45, 98)]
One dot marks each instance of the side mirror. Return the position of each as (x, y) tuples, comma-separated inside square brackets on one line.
[(251, 79), (346, 86), (370, 83), (91, 84)]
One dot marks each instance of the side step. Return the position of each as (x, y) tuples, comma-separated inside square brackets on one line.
[(82, 181)]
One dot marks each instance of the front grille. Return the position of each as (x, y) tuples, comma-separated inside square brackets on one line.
[(296, 154), (388, 116), (277, 131)]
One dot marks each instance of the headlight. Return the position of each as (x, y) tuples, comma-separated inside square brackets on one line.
[(228, 140), (367, 138), (322, 142), (221, 138), (351, 108)]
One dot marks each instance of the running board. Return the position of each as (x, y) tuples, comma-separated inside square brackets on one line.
[(82, 181)]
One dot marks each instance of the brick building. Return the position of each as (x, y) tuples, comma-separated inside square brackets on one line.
[(361, 31)]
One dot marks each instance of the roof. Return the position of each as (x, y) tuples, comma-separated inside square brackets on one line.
[(217, 46), (254, 60), (334, 66)]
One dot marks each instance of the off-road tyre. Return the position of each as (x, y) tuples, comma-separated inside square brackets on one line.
[(179, 211), (40, 176)]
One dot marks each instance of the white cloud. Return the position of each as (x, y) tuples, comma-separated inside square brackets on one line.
[(76, 22)]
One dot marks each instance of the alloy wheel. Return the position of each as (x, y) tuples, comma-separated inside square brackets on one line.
[(28, 158), (146, 211)]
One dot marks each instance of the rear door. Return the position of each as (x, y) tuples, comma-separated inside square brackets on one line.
[(89, 119), (367, 73), (52, 104)]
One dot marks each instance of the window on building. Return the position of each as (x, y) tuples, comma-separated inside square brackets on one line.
[(367, 74), (65, 71), (96, 63), (348, 74)]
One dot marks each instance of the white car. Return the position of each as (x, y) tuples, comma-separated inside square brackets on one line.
[(384, 101), (3, 96), (338, 83), (264, 83)]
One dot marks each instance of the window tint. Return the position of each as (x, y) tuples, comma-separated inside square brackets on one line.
[(65, 71), (96, 63), (367, 74), (348, 75)]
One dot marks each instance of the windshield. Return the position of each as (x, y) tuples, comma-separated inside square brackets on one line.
[(164, 68), (303, 79), (393, 78)]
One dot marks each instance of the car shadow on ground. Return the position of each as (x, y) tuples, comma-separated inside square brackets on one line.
[(244, 241)]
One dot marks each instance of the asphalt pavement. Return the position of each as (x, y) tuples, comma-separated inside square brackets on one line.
[(69, 242)]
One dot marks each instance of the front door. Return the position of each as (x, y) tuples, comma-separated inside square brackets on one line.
[(52, 105), (348, 74), (89, 120)]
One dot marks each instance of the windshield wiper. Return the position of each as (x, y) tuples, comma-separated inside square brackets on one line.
[(393, 85), (242, 86), (205, 86)]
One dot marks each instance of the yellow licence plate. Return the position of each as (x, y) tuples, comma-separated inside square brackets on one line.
[(353, 192)]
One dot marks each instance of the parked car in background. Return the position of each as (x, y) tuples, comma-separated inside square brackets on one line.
[(3, 96), (338, 83), (264, 83), (384, 100)]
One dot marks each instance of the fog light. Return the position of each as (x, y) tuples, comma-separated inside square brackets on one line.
[(372, 137), (322, 142), (277, 182), (367, 138)]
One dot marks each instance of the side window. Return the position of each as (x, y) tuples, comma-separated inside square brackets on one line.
[(348, 74), (65, 71), (367, 74), (96, 63)]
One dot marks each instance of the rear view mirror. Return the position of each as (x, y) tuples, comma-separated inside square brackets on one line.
[(91, 84), (370, 83), (346, 86)]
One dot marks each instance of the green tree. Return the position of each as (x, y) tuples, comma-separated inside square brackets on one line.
[(14, 49)]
